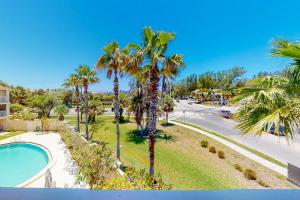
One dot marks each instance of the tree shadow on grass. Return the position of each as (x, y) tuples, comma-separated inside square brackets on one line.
[(166, 137), (135, 137), (166, 124)]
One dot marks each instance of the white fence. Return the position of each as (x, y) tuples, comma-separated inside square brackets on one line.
[(35, 125)]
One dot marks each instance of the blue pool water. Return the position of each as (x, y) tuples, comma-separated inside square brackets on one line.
[(19, 162)]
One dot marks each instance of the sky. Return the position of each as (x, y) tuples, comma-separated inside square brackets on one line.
[(42, 42)]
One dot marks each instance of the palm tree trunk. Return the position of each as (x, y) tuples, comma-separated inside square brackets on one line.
[(116, 110), (151, 156), (163, 87), (167, 117), (153, 94), (86, 111), (77, 107)]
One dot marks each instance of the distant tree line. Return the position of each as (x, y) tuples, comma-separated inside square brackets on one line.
[(224, 80)]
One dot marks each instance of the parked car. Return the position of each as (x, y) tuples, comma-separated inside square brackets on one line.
[(226, 114), (272, 130)]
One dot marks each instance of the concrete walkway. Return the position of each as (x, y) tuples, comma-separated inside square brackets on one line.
[(62, 167), (258, 159)]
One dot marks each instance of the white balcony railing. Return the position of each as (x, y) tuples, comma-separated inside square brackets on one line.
[(3, 113), (4, 99)]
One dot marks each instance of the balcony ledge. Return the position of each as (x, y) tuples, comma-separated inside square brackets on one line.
[(74, 194)]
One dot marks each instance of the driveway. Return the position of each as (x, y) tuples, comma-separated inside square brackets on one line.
[(209, 118)]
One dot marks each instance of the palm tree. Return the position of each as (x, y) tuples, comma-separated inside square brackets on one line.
[(167, 106), (170, 69), (87, 77), (287, 49), (272, 102), (74, 81), (61, 109), (113, 61), (154, 47), (137, 103)]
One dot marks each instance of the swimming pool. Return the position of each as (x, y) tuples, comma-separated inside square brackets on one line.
[(19, 162)]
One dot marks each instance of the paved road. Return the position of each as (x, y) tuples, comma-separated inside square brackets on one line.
[(210, 119)]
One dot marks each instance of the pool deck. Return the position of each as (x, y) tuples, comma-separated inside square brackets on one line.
[(62, 167)]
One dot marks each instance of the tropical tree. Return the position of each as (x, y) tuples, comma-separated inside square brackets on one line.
[(272, 102), (61, 109), (137, 102), (113, 61), (86, 77), (43, 104), (75, 82), (154, 47), (167, 106), (95, 108), (170, 69)]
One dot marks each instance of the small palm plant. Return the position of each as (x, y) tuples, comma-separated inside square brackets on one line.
[(167, 106), (61, 110)]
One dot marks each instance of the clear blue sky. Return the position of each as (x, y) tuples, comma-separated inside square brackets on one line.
[(41, 42)]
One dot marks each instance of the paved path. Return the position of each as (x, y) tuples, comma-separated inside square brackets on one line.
[(62, 168), (209, 118), (266, 163)]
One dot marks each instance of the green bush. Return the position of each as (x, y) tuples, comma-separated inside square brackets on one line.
[(238, 167), (250, 174), (95, 162), (24, 115), (10, 130), (212, 150), (16, 107), (221, 154), (204, 143), (136, 180)]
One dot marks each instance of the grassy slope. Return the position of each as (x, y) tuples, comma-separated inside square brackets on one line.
[(179, 157)]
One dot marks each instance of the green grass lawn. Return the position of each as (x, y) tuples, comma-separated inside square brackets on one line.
[(179, 158), (10, 134)]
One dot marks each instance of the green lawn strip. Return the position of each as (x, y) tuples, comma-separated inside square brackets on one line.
[(264, 156), (181, 168), (11, 134)]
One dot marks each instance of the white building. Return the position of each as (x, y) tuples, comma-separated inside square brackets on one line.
[(4, 106)]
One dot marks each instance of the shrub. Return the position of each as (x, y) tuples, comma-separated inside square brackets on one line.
[(16, 107), (238, 167), (136, 180), (95, 162), (260, 182), (212, 149), (24, 115), (10, 130), (204, 143), (250, 174), (221, 154)]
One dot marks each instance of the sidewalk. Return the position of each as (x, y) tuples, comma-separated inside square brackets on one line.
[(264, 162)]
